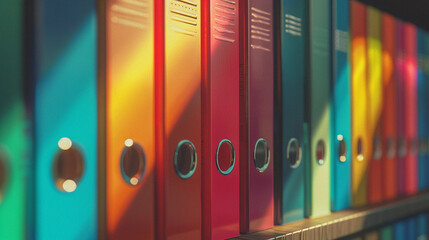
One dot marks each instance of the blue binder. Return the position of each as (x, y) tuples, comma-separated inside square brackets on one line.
[(65, 119), (412, 228), (341, 124), (400, 231)]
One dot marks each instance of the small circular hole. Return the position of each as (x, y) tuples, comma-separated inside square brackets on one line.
[(225, 157), (391, 147), (293, 153), (68, 166), (185, 159), (377, 148), (413, 146), (261, 155), (320, 152), (342, 148), (360, 152), (402, 147), (423, 147), (133, 162), (3, 174)]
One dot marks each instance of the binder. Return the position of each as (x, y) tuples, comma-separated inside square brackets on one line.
[(387, 233), (400, 75), (178, 114), (256, 115), (290, 163), (375, 105), (410, 108), (14, 141), (319, 108), (220, 89), (411, 228), (373, 235), (400, 231), (426, 75), (360, 141), (65, 119), (422, 226), (341, 108), (388, 115), (423, 113), (130, 119)]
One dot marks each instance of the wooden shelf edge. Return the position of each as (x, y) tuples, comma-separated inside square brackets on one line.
[(347, 222)]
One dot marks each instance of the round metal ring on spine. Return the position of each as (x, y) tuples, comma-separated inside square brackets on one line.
[(185, 159), (221, 156)]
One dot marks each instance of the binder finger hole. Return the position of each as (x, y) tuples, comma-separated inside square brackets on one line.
[(293, 153), (413, 146), (185, 159), (261, 155), (402, 147), (68, 166), (391, 147), (342, 148), (377, 146), (320, 152), (133, 162), (225, 157), (423, 147), (360, 153)]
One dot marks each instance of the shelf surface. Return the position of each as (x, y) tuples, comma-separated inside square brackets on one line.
[(347, 222)]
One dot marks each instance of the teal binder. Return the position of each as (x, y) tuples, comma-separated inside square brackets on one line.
[(65, 112), (293, 48), (341, 108)]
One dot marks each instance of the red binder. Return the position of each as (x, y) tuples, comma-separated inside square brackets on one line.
[(400, 109), (388, 115), (178, 118), (410, 108), (256, 115), (375, 104), (220, 119)]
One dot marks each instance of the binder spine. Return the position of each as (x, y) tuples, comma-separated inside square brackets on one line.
[(258, 66), (15, 165), (293, 27), (181, 139), (423, 114), (130, 86), (389, 112), (341, 120), (400, 85), (410, 108), (65, 118), (375, 105), (319, 107), (360, 159), (220, 134)]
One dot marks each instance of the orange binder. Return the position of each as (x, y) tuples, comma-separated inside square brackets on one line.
[(130, 119), (388, 115)]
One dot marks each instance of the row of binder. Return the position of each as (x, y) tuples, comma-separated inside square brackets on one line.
[(414, 227), (188, 119)]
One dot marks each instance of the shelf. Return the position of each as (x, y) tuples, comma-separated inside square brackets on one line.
[(345, 223)]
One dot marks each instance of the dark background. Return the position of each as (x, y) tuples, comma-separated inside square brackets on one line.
[(414, 11)]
